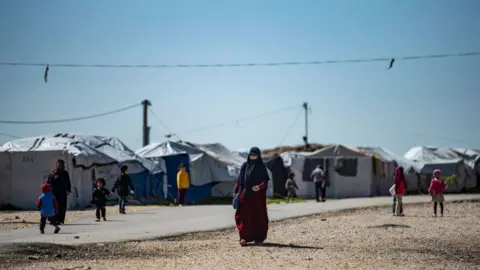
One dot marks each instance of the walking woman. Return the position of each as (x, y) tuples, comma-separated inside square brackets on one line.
[(251, 188), (183, 183), (59, 181), (399, 181)]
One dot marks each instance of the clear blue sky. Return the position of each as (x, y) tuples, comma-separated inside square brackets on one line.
[(415, 103)]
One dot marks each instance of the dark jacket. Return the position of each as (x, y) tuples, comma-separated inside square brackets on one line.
[(59, 181), (122, 184), (99, 196)]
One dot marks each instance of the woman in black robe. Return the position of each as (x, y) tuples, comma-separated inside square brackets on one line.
[(251, 215), (59, 181)]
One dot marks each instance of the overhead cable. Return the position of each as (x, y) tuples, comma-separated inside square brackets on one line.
[(389, 60), (74, 119), (290, 127), (170, 132), (237, 121)]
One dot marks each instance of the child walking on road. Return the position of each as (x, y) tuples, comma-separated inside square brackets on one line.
[(437, 186), (48, 206), (99, 198), (123, 183)]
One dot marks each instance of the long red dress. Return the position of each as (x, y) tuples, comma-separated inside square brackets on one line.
[(251, 215)]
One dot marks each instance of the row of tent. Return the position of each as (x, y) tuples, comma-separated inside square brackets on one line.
[(26, 163), (213, 168), (368, 171)]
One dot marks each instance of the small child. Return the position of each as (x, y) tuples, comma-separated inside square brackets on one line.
[(291, 187), (99, 198), (48, 206), (437, 186)]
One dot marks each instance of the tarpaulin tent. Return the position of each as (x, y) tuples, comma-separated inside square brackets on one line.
[(30, 160), (350, 172), (213, 168), (449, 161), (390, 162)]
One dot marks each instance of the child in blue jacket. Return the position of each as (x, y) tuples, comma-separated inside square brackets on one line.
[(48, 206)]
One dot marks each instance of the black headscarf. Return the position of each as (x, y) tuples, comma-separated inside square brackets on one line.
[(253, 172)]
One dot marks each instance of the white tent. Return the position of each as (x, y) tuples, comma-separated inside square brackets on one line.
[(357, 183), (448, 160), (29, 162)]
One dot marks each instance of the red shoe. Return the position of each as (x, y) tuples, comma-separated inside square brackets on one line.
[(243, 243)]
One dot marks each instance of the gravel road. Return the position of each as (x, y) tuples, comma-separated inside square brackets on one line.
[(362, 239), (11, 220)]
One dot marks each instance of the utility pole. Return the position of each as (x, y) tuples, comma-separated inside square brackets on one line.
[(305, 138), (146, 128)]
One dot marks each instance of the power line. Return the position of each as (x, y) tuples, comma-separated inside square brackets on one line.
[(10, 135), (170, 133), (390, 60), (241, 119), (290, 127), (70, 119)]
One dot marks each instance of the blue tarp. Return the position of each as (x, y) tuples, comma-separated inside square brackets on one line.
[(146, 185), (194, 193)]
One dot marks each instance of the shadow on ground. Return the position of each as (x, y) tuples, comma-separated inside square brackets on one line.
[(293, 246), (388, 226)]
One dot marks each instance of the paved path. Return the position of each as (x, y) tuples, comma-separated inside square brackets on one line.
[(167, 221)]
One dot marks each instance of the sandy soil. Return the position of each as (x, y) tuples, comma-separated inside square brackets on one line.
[(20, 219), (363, 239)]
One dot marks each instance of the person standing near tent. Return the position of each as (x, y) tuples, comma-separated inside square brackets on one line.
[(318, 177), (436, 189), (59, 181), (122, 184), (183, 183), (291, 187), (399, 181), (251, 215)]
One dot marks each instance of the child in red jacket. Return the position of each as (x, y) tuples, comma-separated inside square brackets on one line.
[(399, 181), (437, 186), (48, 206)]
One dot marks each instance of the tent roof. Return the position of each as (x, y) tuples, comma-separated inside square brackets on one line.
[(222, 153), (215, 150), (432, 155), (388, 155), (442, 155), (167, 148), (97, 149), (337, 150)]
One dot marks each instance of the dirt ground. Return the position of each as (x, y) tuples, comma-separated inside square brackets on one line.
[(21, 219), (363, 239)]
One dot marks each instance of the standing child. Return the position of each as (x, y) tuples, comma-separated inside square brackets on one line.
[(437, 186), (183, 183), (291, 187), (99, 198), (48, 206), (399, 181), (122, 184)]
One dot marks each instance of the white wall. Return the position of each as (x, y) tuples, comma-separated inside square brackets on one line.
[(353, 186), (23, 173), (29, 171)]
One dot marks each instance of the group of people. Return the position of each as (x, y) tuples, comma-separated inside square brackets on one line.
[(319, 179), (250, 190), (250, 194), (435, 190), (52, 203)]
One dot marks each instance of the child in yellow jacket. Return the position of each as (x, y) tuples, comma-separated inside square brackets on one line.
[(183, 183)]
